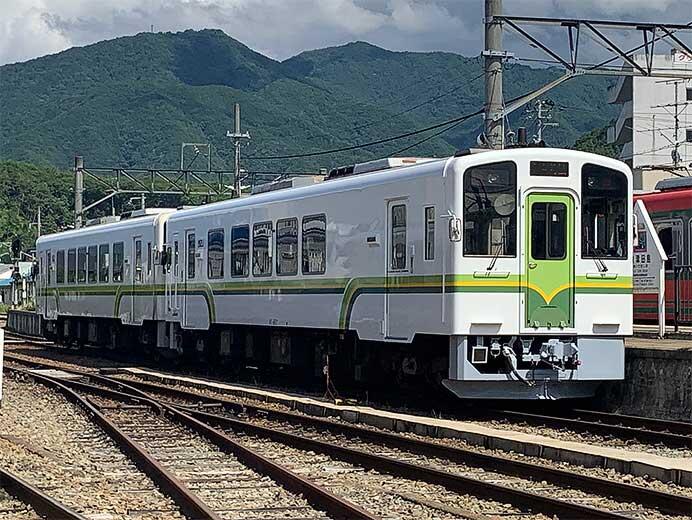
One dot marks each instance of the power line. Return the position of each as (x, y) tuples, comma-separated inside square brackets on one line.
[(436, 134)]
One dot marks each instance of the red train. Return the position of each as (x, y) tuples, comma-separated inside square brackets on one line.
[(670, 208)]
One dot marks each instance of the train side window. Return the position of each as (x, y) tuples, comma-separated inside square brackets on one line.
[(191, 255), (287, 247), (398, 261), (548, 231), (60, 267), (71, 266), (103, 262), (604, 213), (314, 244), (118, 261), (176, 258), (670, 233), (240, 251), (92, 262), (81, 264), (149, 259), (261, 254), (430, 233), (215, 255), (490, 210)]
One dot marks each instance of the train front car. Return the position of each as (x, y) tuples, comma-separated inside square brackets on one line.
[(541, 273)]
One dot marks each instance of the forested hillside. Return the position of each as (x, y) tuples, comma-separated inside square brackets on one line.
[(131, 101)]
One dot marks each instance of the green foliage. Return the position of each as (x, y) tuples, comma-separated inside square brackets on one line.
[(131, 101), (596, 141), (25, 188)]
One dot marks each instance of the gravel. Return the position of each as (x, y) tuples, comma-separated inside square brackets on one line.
[(13, 509), (53, 445)]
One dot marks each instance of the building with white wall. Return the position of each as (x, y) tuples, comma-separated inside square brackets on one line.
[(646, 126)]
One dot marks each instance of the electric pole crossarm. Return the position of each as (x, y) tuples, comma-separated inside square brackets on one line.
[(616, 49), (677, 40), (537, 43), (518, 103)]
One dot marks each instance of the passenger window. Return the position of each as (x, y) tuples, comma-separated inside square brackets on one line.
[(490, 210), (430, 233), (92, 262), (118, 260), (287, 247), (81, 264), (71, 266), (261, 255), (240, 251), (60, 267), (103, 263), (548, 230), (314, 244), (398, 261), (604, 212), (191, 253), (215, 256)]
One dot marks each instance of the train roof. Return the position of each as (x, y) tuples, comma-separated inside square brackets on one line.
[(669, 200), (428, 167)]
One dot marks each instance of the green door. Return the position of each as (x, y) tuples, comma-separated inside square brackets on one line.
[(549, 287)]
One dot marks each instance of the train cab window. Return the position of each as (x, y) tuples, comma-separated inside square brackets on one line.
[(398, 238), (118, 261), (314, 244), (261, 254), (81, 264), (430, 233), (60, 267), (92, 262), (215, 255), (490, 210), (604, 212), (287, 247), (103, 262), (71, 266), (240, 251), (548, 230), (191, 255)]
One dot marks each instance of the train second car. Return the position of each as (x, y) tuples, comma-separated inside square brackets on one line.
[(502, 274)]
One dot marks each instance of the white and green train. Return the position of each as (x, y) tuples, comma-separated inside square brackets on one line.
[(501, 274)]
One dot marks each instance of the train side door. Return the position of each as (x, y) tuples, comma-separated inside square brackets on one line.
[(45, 279), (549, 290), (188, 269), (398, 266), (173, 277), (137, 281)]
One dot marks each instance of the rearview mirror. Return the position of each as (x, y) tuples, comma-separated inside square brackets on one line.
[(454, 229)]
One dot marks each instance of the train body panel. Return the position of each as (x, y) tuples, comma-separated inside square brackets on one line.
[(513, 268)]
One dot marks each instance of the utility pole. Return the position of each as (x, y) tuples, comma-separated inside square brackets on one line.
[(38, 223), (494, 117), (677, 112), (78, 190), (237, 137)]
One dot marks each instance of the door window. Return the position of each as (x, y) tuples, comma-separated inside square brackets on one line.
[(139, 274), (398, 238), (430, 233), (191, 250), (548, 230)]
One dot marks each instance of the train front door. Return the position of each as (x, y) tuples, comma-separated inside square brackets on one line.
[(549, 266)]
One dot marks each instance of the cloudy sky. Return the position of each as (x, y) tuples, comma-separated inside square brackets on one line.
[(283, 28)]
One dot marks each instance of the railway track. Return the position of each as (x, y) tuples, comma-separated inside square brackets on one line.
[(20, 500), (657, 432), (453, 468)]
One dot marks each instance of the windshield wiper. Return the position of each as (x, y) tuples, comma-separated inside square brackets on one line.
[(600, 264), (498, 250)]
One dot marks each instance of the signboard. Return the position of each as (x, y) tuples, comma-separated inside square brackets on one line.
[(680, 57), (649, 262)]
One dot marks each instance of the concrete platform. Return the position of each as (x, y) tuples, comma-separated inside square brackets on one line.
[(667, 469)]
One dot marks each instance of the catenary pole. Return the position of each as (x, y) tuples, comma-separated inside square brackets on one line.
[(494, 120), (78, 190)]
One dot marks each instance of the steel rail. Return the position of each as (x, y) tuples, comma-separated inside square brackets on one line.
[(43, 504), (187, 501), (457, 483), (315, 494), (662, 501), (635, 421), (674, 440)]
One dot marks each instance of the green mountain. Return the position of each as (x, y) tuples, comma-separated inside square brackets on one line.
[(132, 101)]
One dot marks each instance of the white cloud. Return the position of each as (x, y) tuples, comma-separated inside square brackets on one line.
[(282, 28)]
